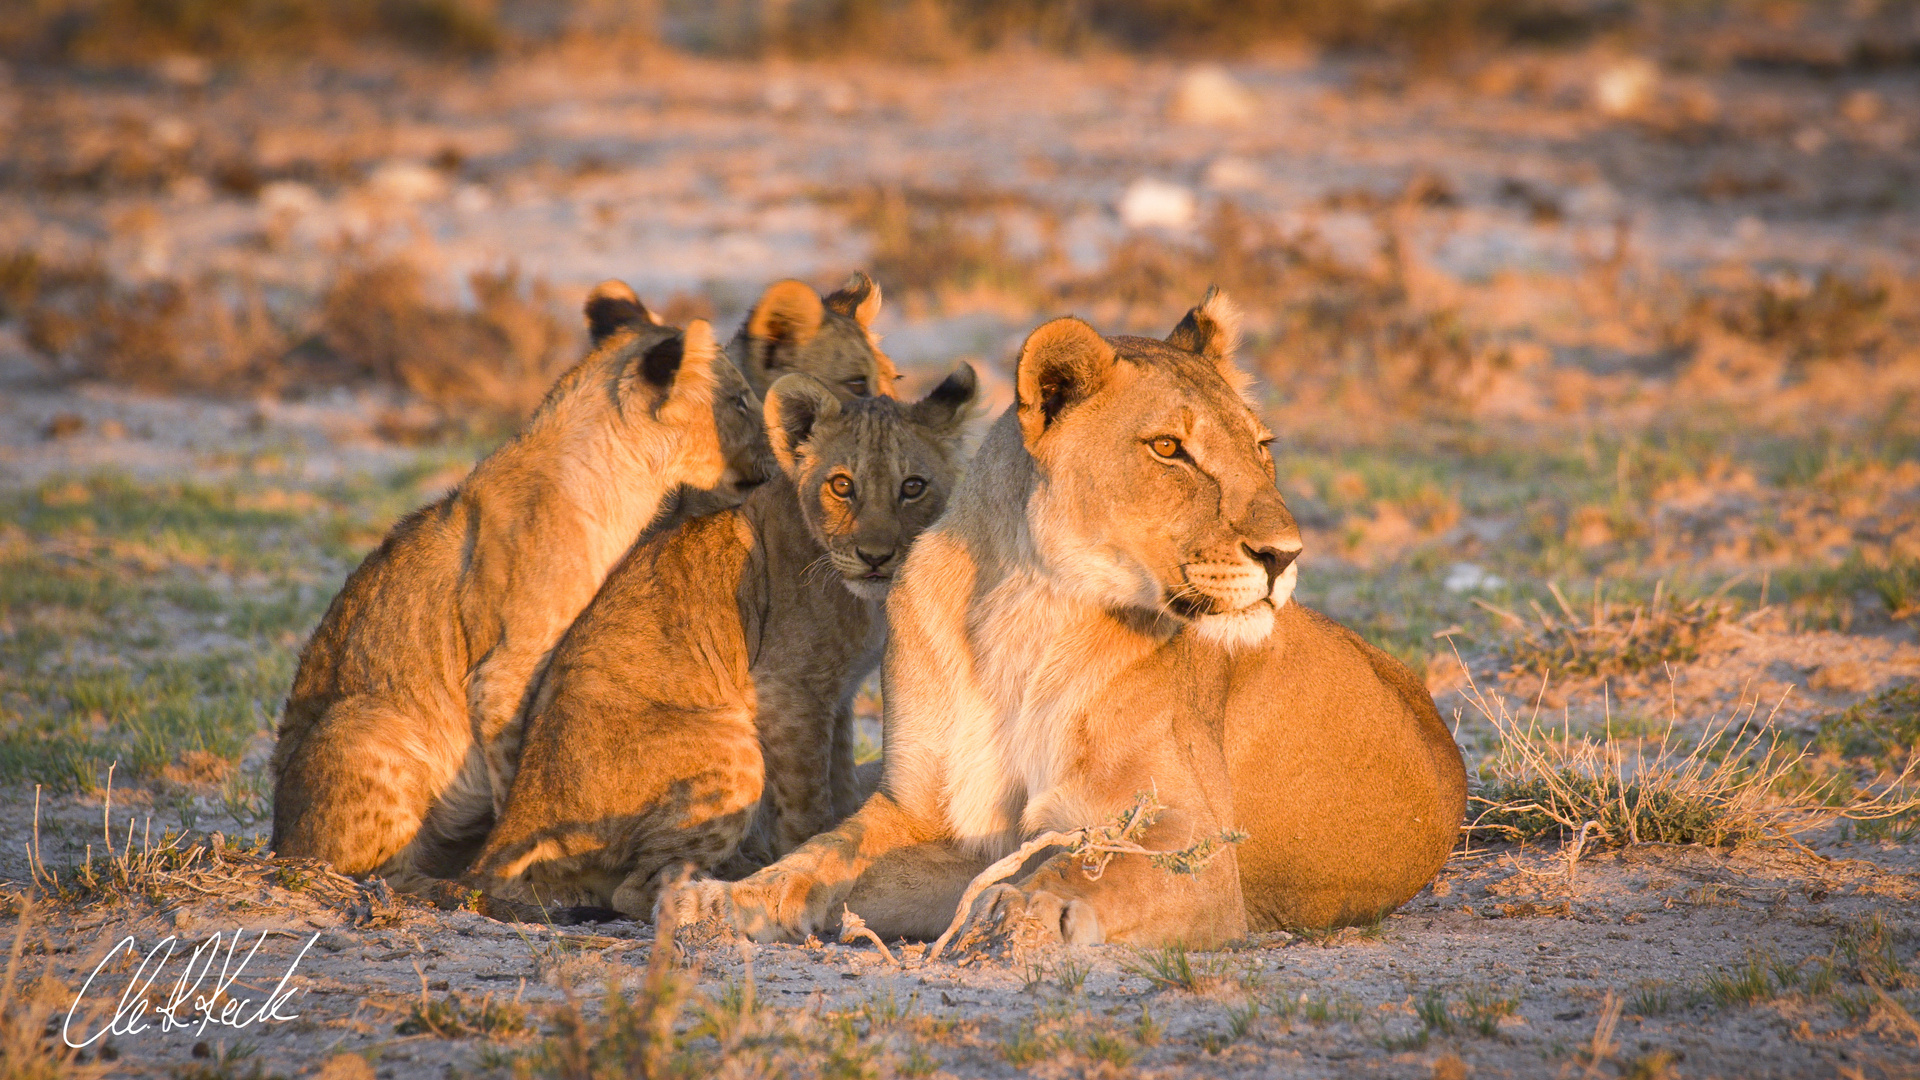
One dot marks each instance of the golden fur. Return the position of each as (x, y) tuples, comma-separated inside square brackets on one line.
[(1104, 610), (424, 655), (707, 689)]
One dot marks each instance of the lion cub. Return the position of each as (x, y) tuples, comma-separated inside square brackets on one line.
[(378, 767), (790, 329), (710, 682)]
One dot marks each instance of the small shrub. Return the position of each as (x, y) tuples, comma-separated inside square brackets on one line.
[(1748, 984), (1147, 1030), (1872, 952), (1171, 968), (1111, 1049), (1027, 1045), (456, 1017), (1654, 997), (1883, 731)]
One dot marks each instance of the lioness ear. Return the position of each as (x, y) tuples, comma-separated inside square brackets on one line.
[(945, 407), (1213, 331), (858, 298), (796, 406), (613, 307), (789, 311), (1060, 364)]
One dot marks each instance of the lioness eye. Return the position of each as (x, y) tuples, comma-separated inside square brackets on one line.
[(1166, 446), (912, 487), (841, 486), (857, 387)]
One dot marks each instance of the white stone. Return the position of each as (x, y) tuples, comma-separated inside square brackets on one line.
[(1229, 173), (1467, 577), (1208, 95), (1626, 87), (1156, 204), (408, 181)]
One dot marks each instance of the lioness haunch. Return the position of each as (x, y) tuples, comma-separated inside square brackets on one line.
[(1103, 610)]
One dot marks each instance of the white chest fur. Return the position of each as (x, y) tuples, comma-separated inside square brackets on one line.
[(1037, 659)]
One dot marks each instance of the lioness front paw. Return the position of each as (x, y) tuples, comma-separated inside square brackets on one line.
[(1007, 914)]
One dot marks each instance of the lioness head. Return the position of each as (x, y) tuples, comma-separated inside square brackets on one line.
[(1155, 487), (872, 472), (792, 328), (682, 380)]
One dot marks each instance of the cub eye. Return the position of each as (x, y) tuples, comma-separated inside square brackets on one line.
[(1165, 446), (912, 488), (841, 486), (745, 407), (856, 386)]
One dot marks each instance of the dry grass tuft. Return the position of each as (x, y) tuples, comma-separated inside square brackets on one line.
[(30, 1048), (1741, 780), (379, 322), (1612, 639), (133, 866)]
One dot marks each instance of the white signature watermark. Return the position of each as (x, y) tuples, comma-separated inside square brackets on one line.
[(199, 996)]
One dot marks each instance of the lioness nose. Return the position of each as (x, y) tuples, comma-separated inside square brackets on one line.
[(874, 560), (1275, 560)]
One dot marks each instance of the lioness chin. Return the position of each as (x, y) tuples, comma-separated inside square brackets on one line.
[(704, 698), (1104, 611)]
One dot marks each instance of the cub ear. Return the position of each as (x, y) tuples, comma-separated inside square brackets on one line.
[(682, 364), (1061, 364), (796, 406), (1213, 331), (946, 406), (613, 307), (858, 298), (789, 311)]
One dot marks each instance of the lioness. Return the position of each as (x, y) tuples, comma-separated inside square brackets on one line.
[(1103, 611), (377, 767), (790, 329), (710, 682)]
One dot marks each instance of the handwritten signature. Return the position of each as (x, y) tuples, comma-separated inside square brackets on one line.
[(191, 1002)]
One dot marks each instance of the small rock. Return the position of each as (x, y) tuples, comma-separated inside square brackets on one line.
[(184, 70), (1467, 577), (1231, 173), (63, 426), (345, 1067), (1157, 204), (1626, 87), (1208, 95), (1862, 107), (408, 182)]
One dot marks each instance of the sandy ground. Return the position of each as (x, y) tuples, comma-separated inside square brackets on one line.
[(681, 175)]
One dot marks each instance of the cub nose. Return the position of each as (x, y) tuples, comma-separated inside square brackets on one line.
[(874, 560), (1274, 560)]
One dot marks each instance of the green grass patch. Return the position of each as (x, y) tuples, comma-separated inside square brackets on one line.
[(1881, 733)]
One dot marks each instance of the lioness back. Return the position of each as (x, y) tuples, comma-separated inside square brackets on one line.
[(707, 690), (381, 762)]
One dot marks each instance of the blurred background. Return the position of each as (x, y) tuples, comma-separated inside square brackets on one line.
[(1591, 330)]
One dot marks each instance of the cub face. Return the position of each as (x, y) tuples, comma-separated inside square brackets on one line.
[(1156, 483), (684, 380), (872, 472), (794, 329)]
